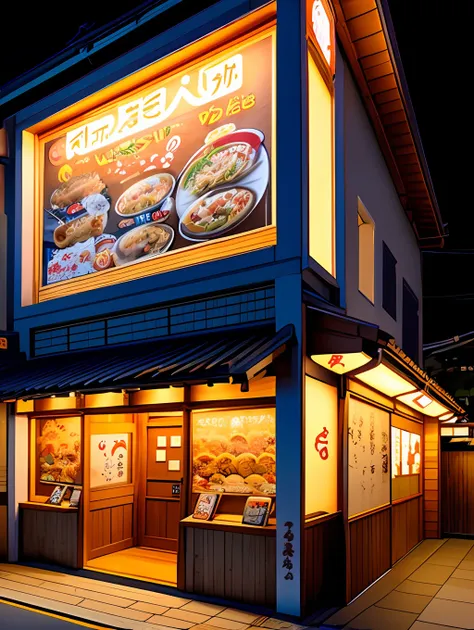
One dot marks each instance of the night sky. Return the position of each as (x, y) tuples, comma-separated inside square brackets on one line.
[(430, 34)]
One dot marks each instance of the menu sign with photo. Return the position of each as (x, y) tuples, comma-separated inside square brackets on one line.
[(182, 162)]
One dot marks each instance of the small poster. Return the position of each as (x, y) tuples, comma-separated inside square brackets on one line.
[(175, 441), (57, 495), (75, 498), (174, 465), (206, 506), (257, 511), (161, 441), (160, 455), (109, 459)]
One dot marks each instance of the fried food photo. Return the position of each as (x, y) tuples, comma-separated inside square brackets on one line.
[(78, 230), (76, 188)]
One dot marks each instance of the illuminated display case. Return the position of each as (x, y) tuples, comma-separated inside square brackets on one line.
[(234, 452)]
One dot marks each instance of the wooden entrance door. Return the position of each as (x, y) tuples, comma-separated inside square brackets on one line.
[(161, 488), (109, 484)]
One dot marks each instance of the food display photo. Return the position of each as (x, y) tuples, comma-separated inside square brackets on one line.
[(234, 451), (256, 511), (121, 189), (58, 449), (206, 506)]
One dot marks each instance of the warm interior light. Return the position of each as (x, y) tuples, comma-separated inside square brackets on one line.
[(446, 416), (419, 400), (451, 421), (385, 380), (342, 363), (422, 401)]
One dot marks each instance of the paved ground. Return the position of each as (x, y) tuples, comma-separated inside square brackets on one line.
[(19, 618), (119, 606), (430, 589)]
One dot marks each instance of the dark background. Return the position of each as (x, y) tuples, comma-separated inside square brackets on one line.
[(433, 40)]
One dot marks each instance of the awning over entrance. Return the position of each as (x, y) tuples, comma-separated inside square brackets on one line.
[(360, 350), (234, 356)]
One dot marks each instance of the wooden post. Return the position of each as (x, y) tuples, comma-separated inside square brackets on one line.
[(431, 479)]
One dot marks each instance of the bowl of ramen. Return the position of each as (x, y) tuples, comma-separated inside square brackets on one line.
[(220, 165), (146, 194), (217, 212), (143, 241)]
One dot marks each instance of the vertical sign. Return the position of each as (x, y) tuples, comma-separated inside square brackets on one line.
[(320, 30)]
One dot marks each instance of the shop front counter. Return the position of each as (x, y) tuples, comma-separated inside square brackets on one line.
[(226, 559), (50, 533)]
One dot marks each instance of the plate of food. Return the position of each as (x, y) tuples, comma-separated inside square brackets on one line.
[(76, 188), (79, 230), (217, 212), (144, 241), (147, 194), (239, 156)]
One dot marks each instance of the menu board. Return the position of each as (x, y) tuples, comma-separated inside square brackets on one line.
[(185, 161), (109, 459), (58, 448), (234, 451), (369, 456)]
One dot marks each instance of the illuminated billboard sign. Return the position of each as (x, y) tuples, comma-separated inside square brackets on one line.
[(182, 162)]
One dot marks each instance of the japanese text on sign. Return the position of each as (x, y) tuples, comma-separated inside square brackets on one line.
[(213, 82)]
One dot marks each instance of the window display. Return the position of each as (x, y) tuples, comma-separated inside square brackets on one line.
[(396, 452), (58, 449), (406, 453), (234, 451)]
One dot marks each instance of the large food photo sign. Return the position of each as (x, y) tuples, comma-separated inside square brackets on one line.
[(184, 161)]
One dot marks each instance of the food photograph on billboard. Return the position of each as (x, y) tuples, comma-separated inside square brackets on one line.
[(183, 161)]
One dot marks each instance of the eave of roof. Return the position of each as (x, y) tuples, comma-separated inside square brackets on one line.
[(366, 32)]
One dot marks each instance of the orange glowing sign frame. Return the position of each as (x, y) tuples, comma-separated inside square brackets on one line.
[(3, 343), (217, 48), (320, 30)]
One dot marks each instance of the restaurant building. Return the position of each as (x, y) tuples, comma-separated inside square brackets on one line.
[(214, 274)]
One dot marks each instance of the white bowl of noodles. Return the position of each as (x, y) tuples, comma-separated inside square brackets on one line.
[(145, 195)]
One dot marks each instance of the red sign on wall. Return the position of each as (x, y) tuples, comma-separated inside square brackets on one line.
[(320, 29)]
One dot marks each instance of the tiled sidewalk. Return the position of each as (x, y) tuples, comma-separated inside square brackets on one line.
[(431, 589), (118, 606)]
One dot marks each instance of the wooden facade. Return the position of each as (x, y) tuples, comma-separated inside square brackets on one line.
[(407, 529), (324, 575), (50, 534), (431, 514), (457, 507), (231, 563), (369, 553)]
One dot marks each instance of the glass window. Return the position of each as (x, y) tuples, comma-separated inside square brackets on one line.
[(406, 463), (234, 451), (58, 458), (321, 203), (389, 290), (366, 237)]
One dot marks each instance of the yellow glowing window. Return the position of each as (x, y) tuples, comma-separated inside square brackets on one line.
[(366, 238), (321, 215)]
